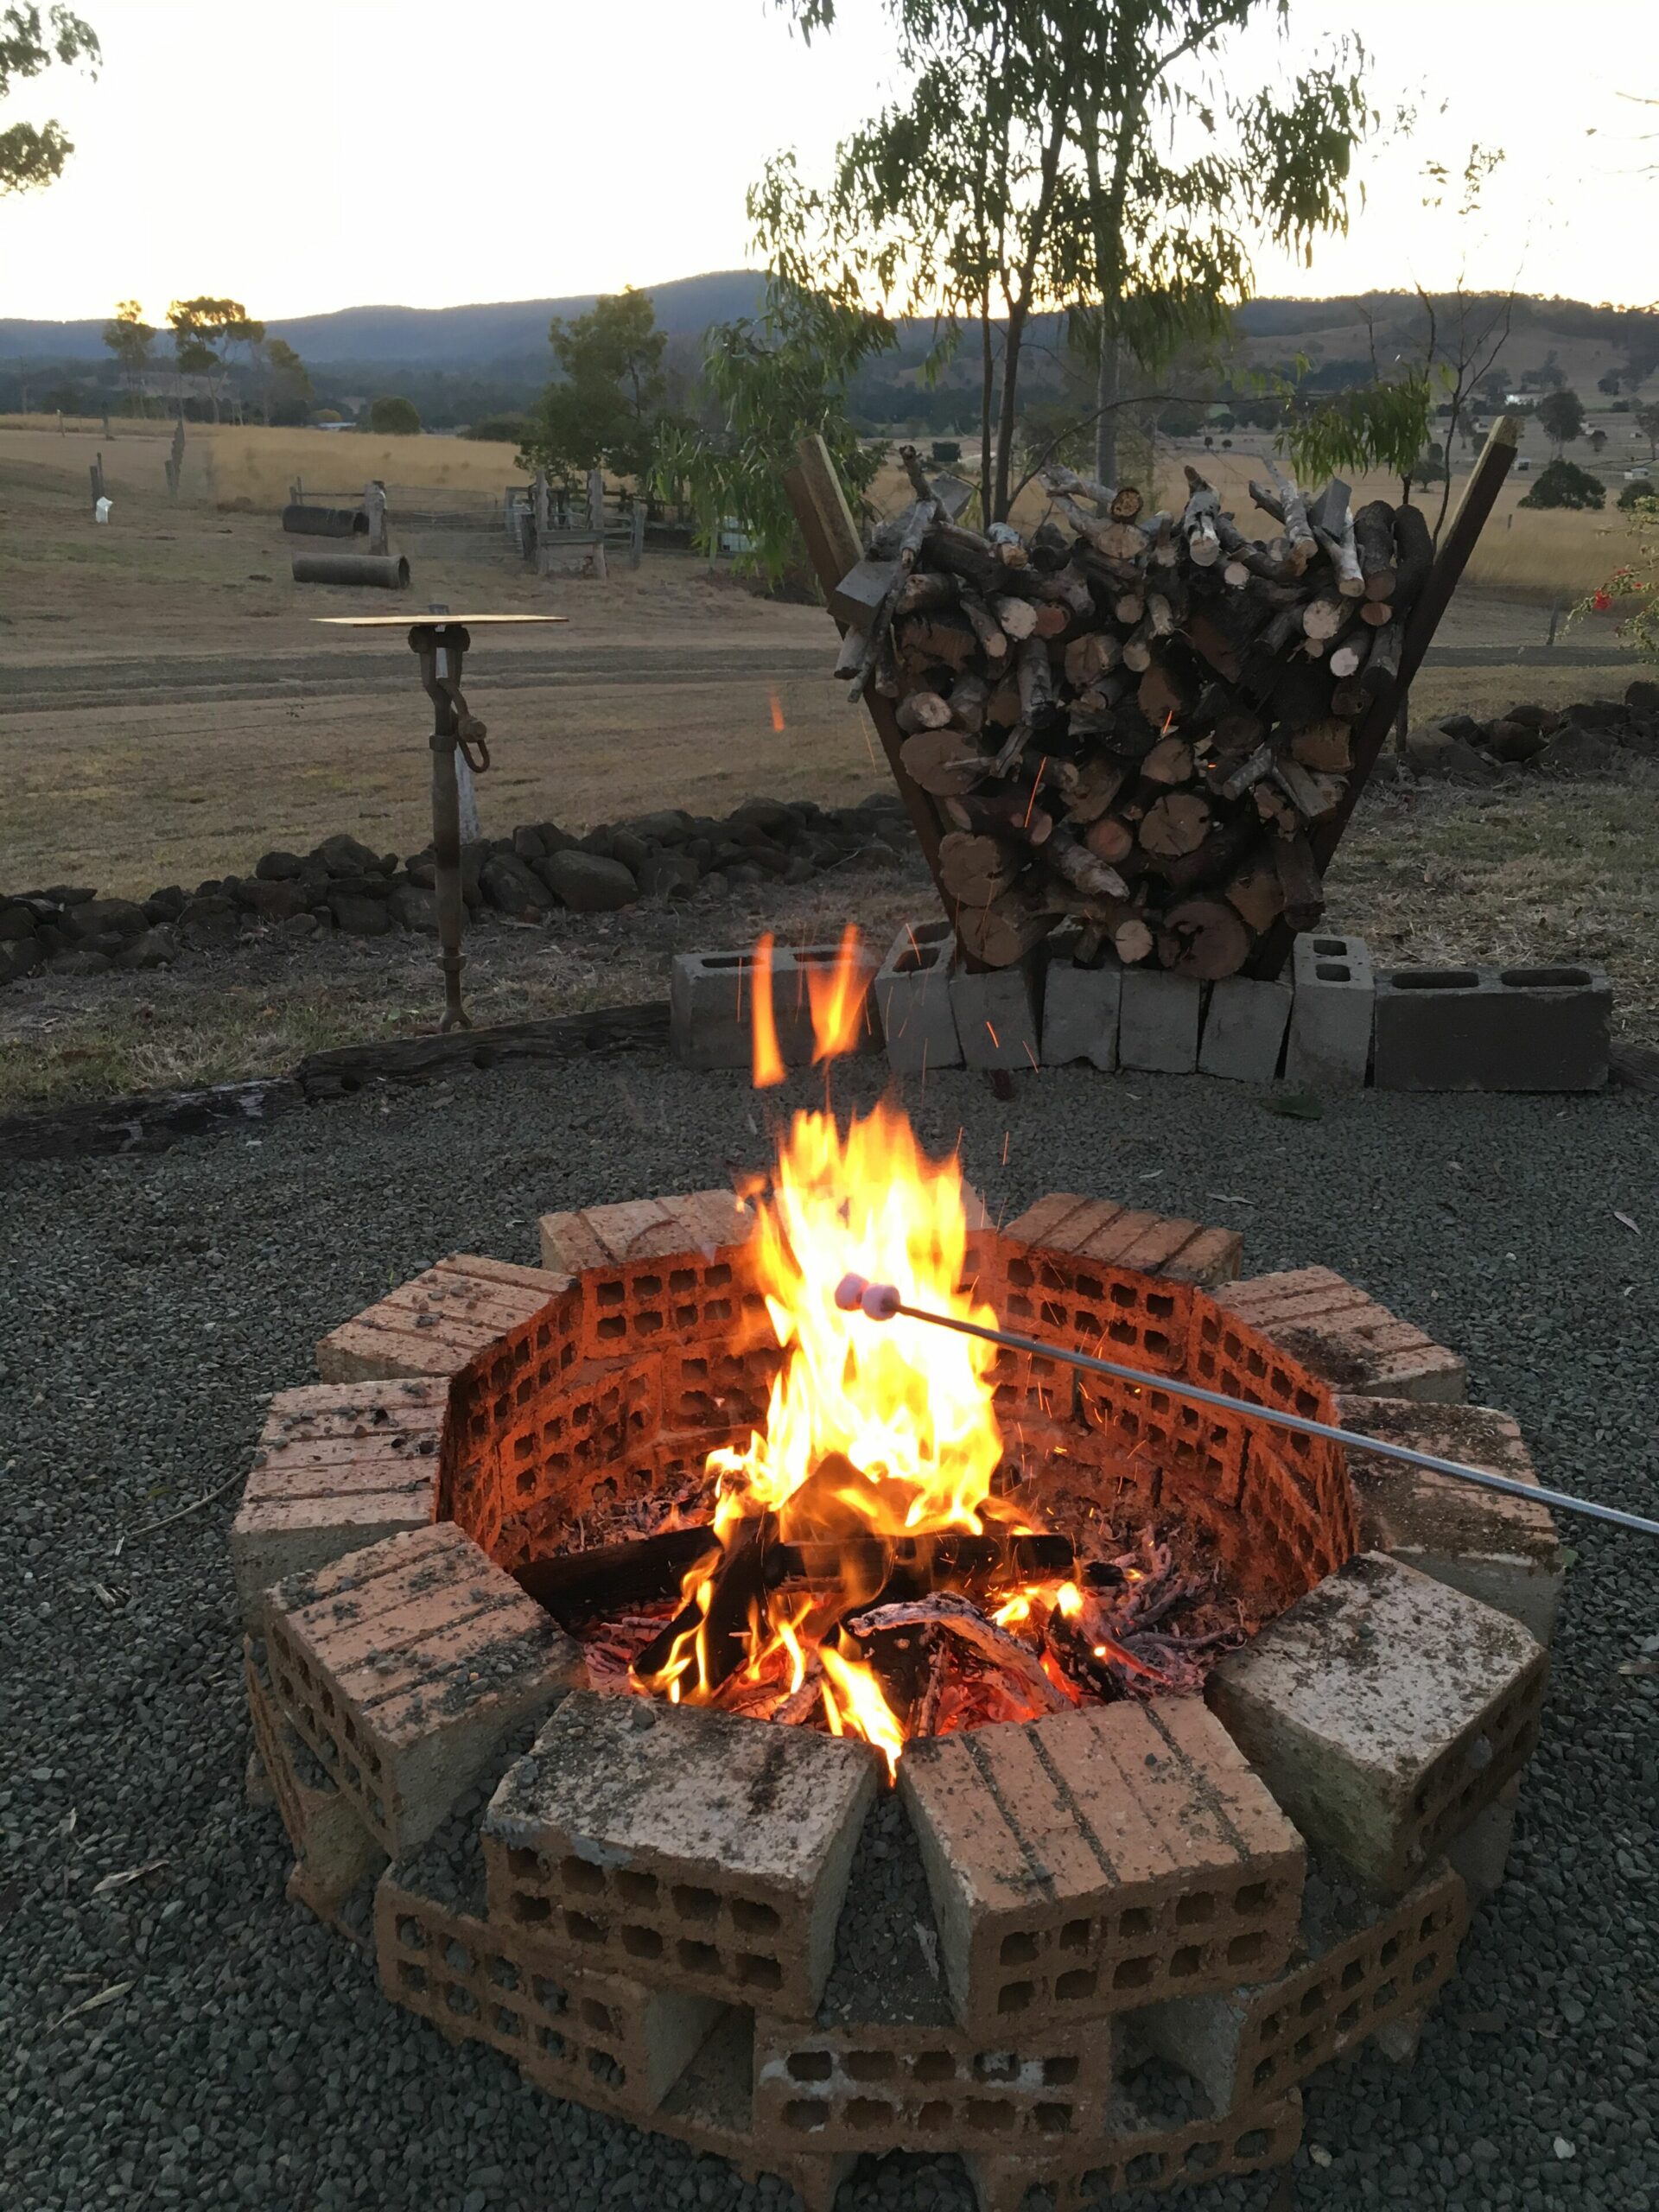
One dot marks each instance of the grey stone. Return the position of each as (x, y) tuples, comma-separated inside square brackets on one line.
[(632, 851), (421, 871), (527, 842), (81, 961), (554, 840), (473, 857), (1157, 1023), (1643, 696), (155, 947), (668, 825), (1081, 1006), (1330, 1046), (667, 876), (107, 918), (1244, 1028), (912, 995), (19, 957), (998, 1021), (342, 854), (209, 920), (589, 882), (17, 923), (273, 899), (357, 916), (279, 868), (165, 905), (1580, 751), (69, 894), (1544, 1029), (1449, 760), (512, 887), (413, 907), (298, 927)]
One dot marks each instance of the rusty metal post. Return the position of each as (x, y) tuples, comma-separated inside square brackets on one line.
[(441, 647)]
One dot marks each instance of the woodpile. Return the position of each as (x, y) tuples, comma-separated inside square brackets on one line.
[(1133, 721)]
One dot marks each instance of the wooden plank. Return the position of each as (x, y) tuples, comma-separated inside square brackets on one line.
[(1479, 497), (834, 547)]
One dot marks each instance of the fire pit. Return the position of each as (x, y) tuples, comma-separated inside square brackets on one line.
[(809, 1740)]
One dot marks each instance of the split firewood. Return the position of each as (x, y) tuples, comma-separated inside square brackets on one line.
[(1080, 867), (1130, 605), (1170, 761), (1016, 617), (1325, 615), (1257, 893), (1348, 657), (1311, 795), (1381, 672), (943, 761), (969, 695), (1285, 503), (1005, 931), (975, 869), (1300, 879), (1198, 524), (1326, 745), (935, 638), (1137, 647), (1099, 781), (1377, 613), (1249, 773), (913, 529), (1415, 555), (1176, 824), (927, 589), (1163, 550), (1373, 541), (1052, 620), (993, 638), (922, 710), (854, 645), (1206, 937), (1008, 544), (1005, 813), (1094, 654)]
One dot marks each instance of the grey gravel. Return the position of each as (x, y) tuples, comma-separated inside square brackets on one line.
[(146, 1306)]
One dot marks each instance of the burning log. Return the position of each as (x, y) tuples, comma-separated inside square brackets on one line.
[(1184, 685)]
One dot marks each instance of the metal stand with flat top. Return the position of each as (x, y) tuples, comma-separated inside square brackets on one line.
[(440, 639)]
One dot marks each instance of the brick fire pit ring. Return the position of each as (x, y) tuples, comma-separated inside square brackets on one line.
[(1113, 1941)]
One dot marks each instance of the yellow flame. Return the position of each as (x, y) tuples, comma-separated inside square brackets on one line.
[(838, 1000), (854, 1705), (768, 1060)]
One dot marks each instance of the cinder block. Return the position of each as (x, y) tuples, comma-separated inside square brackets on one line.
[(1384, 1710), (1080, 1015), (1345, 1337), (900, 2088), (997, 1015), (1157, 1022), (1492, 1028), (333, 1852), (1361, 1964), (1095, 1860), (711, 1005), (338, 1465), (1504, 1551), (405, 1665), (436, 1324), (1481, 1853), (694, 1847), (1330, 1046), (606, 1237), (1244, 1028), (912, 995)]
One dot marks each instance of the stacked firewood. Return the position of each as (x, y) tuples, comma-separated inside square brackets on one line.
[(1133, 720)]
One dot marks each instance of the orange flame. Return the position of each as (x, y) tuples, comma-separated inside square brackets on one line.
[(777, 704), (763, 1021), (838, 1000), (870, 1431)]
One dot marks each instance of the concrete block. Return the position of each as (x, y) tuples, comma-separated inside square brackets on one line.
[(438, 1323), (1481, 1853), (404, 1667), (1157, 1022), (912, 997), (1362, 1966), (1492, 1028), (1244, 1028), (1345, 1337), (338, 1466), (711, 1005), (998, 1016), (1080, 1016), (1164, 1863), (1504, 1551), (695, 1847), (1384, 1710), (1330, 1046)]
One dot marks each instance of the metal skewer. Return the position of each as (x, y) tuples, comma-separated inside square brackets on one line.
[(880, 1301)]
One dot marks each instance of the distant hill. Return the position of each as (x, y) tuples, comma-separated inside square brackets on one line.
[(504, 339)]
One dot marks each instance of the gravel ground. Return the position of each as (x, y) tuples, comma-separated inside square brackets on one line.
[(186, 2037)]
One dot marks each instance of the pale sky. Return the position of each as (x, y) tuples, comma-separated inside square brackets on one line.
[(335, 153)]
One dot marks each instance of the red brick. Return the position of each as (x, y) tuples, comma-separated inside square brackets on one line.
[(1346, 1337), (1503, 1550), (1095, 1860), (648, 1229), (338, 1466), (404, 1665), (436, 1324), (1117, 1237), (1130, 2157), (708, 1851), (333, 1850), (1370, 1964), (1384, 1710)]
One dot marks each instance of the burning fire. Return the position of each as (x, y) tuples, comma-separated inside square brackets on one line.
[(872, 1433)]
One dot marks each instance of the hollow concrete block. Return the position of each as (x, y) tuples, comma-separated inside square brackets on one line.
[(1543, 1028), (1244, 1028), (998, 1016), (1158, 1024), (912, 995), (1080, 1016), (1330, 1046)]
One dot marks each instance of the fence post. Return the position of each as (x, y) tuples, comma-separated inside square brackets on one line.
[(637, 537), (374, 505)]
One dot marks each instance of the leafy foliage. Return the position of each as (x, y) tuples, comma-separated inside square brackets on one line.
[(204, 330), (1636, 583), (500, 429), (1564, 484), (130, 338), (1373, 426), (1635, 492), (1646, 420), (775, 378), (30, 43), (605, 411), (391, 415), (1560, 417)]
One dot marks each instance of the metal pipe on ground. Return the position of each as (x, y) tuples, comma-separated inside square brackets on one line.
[(389, 571), (325, 522)]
